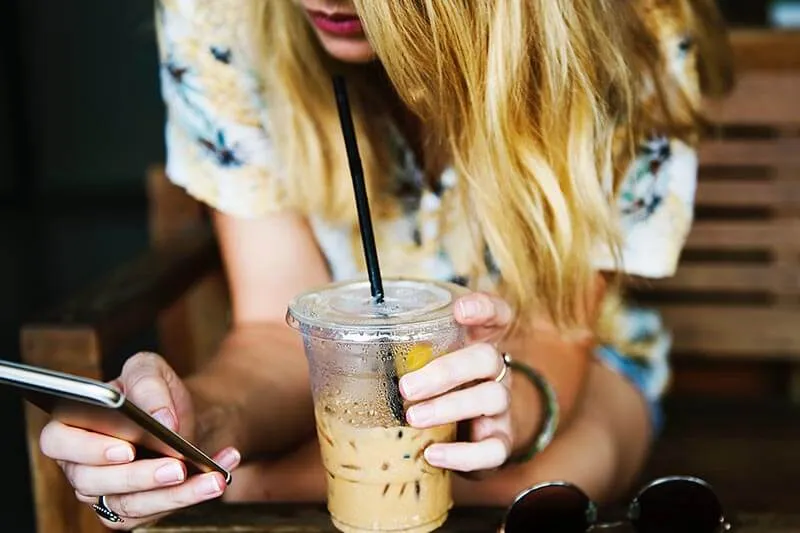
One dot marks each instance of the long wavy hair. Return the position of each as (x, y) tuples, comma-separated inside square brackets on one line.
[(532, 101)]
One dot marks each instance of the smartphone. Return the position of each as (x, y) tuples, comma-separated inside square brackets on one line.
[(99, 407)]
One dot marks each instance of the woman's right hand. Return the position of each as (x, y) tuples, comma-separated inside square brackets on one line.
[(139, 491)]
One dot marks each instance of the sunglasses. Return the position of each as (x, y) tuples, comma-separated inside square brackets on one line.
[(666, 505)]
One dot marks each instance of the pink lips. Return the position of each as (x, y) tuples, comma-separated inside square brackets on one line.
[(337, 24)]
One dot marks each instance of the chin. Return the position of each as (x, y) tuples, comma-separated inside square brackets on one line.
[(356, 50)]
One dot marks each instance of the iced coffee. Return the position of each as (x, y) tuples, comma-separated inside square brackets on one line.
[(378, 479)]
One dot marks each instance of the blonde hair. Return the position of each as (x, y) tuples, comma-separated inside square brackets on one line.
[(531, 99), (673, 103), (716, 65), (303, 121)]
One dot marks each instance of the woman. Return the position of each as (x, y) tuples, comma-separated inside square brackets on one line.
[(528, 148)]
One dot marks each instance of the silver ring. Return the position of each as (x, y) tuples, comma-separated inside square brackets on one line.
[(506, 363), (103, 511)]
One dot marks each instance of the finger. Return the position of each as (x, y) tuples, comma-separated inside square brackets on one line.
[(469, 456), (127, 524), (196, 489), (91, 482), (121, 479), (83, 498), (66, 443), (475, 362), (145, 379), (481, 309), (485, 399), (228, 458), (487, 426)]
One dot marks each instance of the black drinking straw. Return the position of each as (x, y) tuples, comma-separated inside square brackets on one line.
[(359, 188), (367, 236)]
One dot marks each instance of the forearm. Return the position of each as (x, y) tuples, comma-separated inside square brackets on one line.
[(563, 359), (606, 447), (563, 363), (601, 451), (255, 393)]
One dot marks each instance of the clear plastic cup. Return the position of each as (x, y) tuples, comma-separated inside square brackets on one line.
[(378, 479)]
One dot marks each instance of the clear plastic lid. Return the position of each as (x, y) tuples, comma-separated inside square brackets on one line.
[(347, 311)]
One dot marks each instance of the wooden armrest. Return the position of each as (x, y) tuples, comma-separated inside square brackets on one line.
[(75, 336), (130, 299)]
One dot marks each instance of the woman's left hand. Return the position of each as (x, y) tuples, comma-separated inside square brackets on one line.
[(462, 386)]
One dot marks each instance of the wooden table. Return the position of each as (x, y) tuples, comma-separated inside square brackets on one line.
[(297, 518), (749, 452)]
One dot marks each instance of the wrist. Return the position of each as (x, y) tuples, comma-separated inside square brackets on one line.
[(216, 417), (545, 424)]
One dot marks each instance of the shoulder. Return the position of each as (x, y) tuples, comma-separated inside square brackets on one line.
[(215, 15), (655, 192), (218, 147), (220, 28), (207, 60), (673, 26)]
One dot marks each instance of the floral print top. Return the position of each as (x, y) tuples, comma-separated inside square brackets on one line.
[(219, 151)]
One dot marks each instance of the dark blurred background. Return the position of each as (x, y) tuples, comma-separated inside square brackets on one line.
[(80, 121)]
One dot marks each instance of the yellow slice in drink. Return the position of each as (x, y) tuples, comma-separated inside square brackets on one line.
[(417, 357)]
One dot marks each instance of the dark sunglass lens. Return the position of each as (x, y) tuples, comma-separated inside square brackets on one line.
[(549, 509), (677, 506)]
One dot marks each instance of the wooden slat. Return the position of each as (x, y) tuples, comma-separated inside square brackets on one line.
[(727, 378), (736, 193), (759, 97), (709, 330), (728, 278), (744, 235), (765, 49), (780, 152)]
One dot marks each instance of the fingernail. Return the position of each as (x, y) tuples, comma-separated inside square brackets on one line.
[(210, 486), (420, 414), (120, 454), (469, 308), (229, 458), (434, 455), (170, 473), (411, 385), (165, 417)]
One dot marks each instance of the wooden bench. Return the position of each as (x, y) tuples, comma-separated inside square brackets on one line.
[(734, 303), (732, 306)]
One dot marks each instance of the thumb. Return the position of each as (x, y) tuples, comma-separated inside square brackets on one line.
[(145, 380), (483, 310)]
